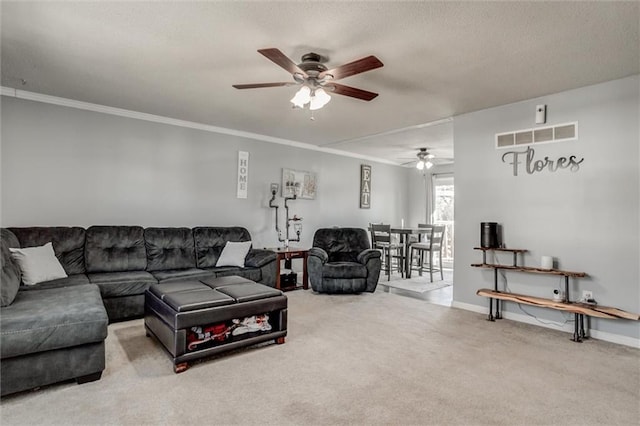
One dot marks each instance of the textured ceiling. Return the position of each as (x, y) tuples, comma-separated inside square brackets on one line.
[(179, 60)]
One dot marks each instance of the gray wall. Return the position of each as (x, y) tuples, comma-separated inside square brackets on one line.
[(66, 166), (588, 220)]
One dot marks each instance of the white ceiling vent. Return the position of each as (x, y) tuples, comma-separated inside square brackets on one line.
[(561, 132)]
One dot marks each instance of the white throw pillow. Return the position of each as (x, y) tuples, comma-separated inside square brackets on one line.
[(38, 264), (233, 254)]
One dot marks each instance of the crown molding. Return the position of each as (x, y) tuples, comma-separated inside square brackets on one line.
[(392, 132), (71, 103)]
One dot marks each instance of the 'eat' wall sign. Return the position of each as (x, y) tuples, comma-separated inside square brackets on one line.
[(365, 186)]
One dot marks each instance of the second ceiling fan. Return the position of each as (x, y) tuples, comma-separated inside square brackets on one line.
[(426, 160), (316, 79)]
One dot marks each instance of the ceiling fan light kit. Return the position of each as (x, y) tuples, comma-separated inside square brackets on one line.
[(316, 98), (319, 99), (424, 159), (302, 97), (316, 78), (421, 164)]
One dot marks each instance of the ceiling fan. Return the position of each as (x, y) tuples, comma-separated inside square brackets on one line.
[(316, 79), (426, 160)]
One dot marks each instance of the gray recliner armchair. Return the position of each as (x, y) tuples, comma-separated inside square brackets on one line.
[(342, 261)]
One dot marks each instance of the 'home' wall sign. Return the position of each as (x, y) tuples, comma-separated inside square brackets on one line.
[(243, 174)]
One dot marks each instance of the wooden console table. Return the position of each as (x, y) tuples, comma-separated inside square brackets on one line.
[(579, 309), (288, 253)]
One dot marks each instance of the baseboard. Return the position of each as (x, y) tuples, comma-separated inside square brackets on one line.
[(568, 328)]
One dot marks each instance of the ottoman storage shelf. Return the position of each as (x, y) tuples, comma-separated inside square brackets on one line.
[(173, 309)]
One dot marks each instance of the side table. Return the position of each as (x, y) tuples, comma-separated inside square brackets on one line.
[(288, 253)]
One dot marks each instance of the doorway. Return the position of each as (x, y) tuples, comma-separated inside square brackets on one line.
[(442, 190)]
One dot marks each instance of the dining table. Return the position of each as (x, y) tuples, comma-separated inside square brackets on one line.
[(405, 233)]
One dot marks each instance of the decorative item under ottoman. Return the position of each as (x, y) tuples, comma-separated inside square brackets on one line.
[(195, 319)]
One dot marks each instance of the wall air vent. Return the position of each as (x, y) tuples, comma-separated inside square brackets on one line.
[(504, 140), (524, 138), (558, 133)]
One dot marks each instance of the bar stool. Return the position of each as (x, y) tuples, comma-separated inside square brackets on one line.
[(434, 244), (381, 239)]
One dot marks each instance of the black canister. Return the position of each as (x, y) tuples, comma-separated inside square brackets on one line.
[(489, 235)]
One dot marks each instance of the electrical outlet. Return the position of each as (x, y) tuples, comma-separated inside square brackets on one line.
[(587, 294)]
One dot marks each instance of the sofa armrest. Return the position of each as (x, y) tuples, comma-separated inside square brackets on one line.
[(365, 255), (257, 258), (315, 264), (372, 259), (319, 253)]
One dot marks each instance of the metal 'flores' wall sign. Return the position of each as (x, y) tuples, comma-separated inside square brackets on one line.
[(531, 165), (525, 161)]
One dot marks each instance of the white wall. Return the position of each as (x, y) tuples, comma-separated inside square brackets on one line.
[(589, 220), (66, 166), (417, 212)]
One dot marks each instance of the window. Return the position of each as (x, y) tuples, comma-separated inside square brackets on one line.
[(443, 190)]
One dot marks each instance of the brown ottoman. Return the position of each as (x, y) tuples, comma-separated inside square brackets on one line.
[(195, 319)]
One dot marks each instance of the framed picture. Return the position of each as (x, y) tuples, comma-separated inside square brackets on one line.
[(303, 184)]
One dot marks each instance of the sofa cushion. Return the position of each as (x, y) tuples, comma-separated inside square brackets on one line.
[(38, 264), (169, 248), (43, 320), (9, 239), (71, 280), (115, 249), (257, 258), (210, 241), (10, 272), (115, 284), (343, 285), (344, 270), (180, 274), (253, 274), (68, 244), (343, 256)]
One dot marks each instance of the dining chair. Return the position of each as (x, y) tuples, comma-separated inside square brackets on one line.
[(431, 246), (382, 239), (421, 237)]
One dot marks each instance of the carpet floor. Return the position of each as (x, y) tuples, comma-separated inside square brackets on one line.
[(374, 358)]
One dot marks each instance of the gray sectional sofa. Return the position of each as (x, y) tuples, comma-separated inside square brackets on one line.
[(55, 330)]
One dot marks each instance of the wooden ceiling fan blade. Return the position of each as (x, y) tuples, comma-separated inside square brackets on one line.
[(279, 58), (356, 67), (341, 89), (259, 85)]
